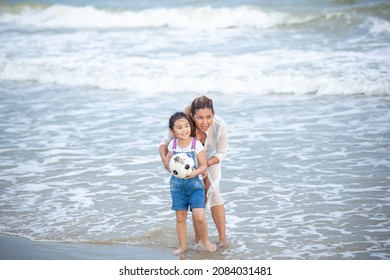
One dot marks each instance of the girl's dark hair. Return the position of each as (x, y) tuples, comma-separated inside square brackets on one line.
[(180, 115)]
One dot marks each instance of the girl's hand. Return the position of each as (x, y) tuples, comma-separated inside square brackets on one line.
[(192, 175)]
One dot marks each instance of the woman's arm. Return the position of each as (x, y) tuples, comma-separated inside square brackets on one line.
[(165, 156), (221, 146), (213, 160), (163, 150)]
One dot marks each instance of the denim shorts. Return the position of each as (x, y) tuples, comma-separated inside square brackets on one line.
[(189, 195)]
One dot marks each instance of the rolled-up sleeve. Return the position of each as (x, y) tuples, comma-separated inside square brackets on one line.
[(222, 142)]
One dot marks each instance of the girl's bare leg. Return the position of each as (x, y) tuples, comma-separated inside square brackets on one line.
[(200, 217), (196, 229), (181, 228), (195, 224)]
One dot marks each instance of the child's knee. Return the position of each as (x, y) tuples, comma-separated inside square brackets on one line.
[(180, 220), (199, 217), (201, 221), (181, 217)]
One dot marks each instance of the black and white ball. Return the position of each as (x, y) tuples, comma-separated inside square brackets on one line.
[(181, 165)]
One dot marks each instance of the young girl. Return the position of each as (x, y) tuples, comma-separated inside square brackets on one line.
[(188, 192)]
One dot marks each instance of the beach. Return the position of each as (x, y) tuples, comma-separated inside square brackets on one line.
[(18, 248), (21, 258)]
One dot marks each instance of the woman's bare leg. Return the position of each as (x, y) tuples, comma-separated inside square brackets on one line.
[(219, 217), (218, 214)]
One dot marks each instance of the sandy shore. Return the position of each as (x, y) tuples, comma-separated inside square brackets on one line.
[(17, 248)]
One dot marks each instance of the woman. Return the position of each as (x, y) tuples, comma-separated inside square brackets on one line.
[(212, 133)]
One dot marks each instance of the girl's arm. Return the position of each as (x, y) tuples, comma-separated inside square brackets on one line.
[(202, 162)]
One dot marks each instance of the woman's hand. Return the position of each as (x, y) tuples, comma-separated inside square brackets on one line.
[(166, 161)]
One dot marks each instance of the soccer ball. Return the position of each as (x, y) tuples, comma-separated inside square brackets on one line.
[(181, 165)]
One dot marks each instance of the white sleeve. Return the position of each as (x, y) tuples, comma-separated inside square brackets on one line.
[(222, 143), (170, 146), (198, 147), (167, 138)]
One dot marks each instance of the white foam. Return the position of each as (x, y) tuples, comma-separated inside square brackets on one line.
[(29, 167), (56, 16), (378, 26), (152, 200), (182, 58), (33, 187)]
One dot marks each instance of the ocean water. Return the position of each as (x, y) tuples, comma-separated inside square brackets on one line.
[(87, 87)]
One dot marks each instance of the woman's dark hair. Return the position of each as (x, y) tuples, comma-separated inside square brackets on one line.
[(201, 102)]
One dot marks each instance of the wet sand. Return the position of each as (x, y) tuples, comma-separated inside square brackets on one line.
[(17, 248)]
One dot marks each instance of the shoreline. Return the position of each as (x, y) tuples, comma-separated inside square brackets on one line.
[(20, 248)]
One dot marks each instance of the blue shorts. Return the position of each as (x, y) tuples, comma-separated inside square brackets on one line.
[(190, 194)]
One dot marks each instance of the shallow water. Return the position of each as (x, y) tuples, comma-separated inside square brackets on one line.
[(306, 178)]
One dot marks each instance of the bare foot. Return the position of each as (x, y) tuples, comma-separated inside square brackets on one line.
[(223, 243), (178, 251), (210, 247), (198, 246)]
